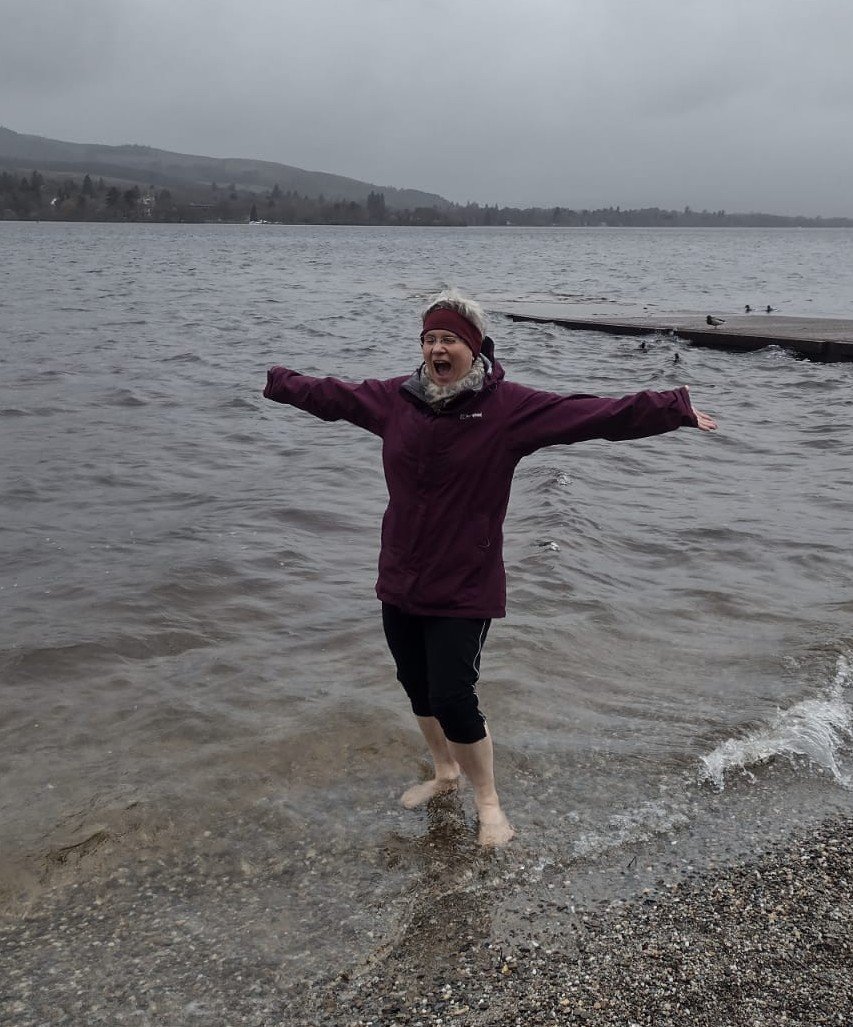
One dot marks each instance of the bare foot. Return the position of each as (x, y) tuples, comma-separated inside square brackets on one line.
[(417, 795), (495, 829)]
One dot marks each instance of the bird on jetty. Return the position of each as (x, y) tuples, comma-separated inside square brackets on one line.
[(715, 322), (769, 309), (747, 309)]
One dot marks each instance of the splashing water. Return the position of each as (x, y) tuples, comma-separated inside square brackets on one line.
[(814, 728)]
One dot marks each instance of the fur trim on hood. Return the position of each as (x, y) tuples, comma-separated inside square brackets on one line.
[(471, 382)]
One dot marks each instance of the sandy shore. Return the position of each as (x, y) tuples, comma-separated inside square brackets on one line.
[(764, 943)]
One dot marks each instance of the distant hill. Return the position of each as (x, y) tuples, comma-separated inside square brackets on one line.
[(47, 179), (162, 168)]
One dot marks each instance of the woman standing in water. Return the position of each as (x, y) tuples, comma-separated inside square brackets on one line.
[(452, 435)]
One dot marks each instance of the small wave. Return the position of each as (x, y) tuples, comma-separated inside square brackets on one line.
[(125, 398), (311, 332), (183, 358), (813, 728), (23, 664)]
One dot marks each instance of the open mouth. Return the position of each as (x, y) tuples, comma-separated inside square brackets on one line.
[(441, 367)]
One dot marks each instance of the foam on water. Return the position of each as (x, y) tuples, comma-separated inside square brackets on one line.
[(814, 728), (631, 826)]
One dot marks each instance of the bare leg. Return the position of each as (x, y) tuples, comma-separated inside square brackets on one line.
[(477, 763), (446, 768)]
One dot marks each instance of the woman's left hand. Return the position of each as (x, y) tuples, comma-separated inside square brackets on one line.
[(704, 422)]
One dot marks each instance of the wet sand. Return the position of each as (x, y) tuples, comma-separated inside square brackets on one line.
[(195, 941)]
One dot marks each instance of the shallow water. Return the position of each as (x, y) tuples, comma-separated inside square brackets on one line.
[(190, 637)]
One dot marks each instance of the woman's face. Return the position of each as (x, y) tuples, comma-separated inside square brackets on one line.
[(446, 356)]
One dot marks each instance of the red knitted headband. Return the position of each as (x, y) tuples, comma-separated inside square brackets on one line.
[(442, 319)]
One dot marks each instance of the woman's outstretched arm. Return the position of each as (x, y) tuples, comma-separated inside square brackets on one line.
[(540, 419), (364, 404)]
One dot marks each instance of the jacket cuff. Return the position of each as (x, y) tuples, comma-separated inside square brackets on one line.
[(687, 407)]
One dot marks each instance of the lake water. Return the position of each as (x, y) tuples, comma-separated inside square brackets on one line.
[(192, 662)]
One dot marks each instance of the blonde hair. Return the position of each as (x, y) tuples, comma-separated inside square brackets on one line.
[(452, 299)]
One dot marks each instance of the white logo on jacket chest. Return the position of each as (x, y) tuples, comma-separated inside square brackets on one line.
[(470, 417)]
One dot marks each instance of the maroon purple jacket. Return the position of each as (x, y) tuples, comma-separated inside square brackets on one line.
[(449, 472)]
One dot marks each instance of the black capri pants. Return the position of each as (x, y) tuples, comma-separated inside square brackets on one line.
[(438, 664)]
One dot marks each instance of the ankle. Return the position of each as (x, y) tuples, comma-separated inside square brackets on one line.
[(488, 803), (447, 772)]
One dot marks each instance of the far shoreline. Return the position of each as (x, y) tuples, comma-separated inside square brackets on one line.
[(444, 227)]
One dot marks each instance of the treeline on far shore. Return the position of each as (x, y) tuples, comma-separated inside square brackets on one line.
[(38, 197)]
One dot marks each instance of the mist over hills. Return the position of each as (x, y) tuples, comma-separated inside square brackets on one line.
[(162, 168)]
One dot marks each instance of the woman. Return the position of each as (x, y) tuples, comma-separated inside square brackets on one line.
[(453, 433)]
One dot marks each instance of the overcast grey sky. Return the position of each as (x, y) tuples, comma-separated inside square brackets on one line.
[(734, 104)]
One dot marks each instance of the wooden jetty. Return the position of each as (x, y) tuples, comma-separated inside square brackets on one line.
[(825, 339)]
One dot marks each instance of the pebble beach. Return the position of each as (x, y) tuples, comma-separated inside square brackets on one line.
[(767, 941)]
